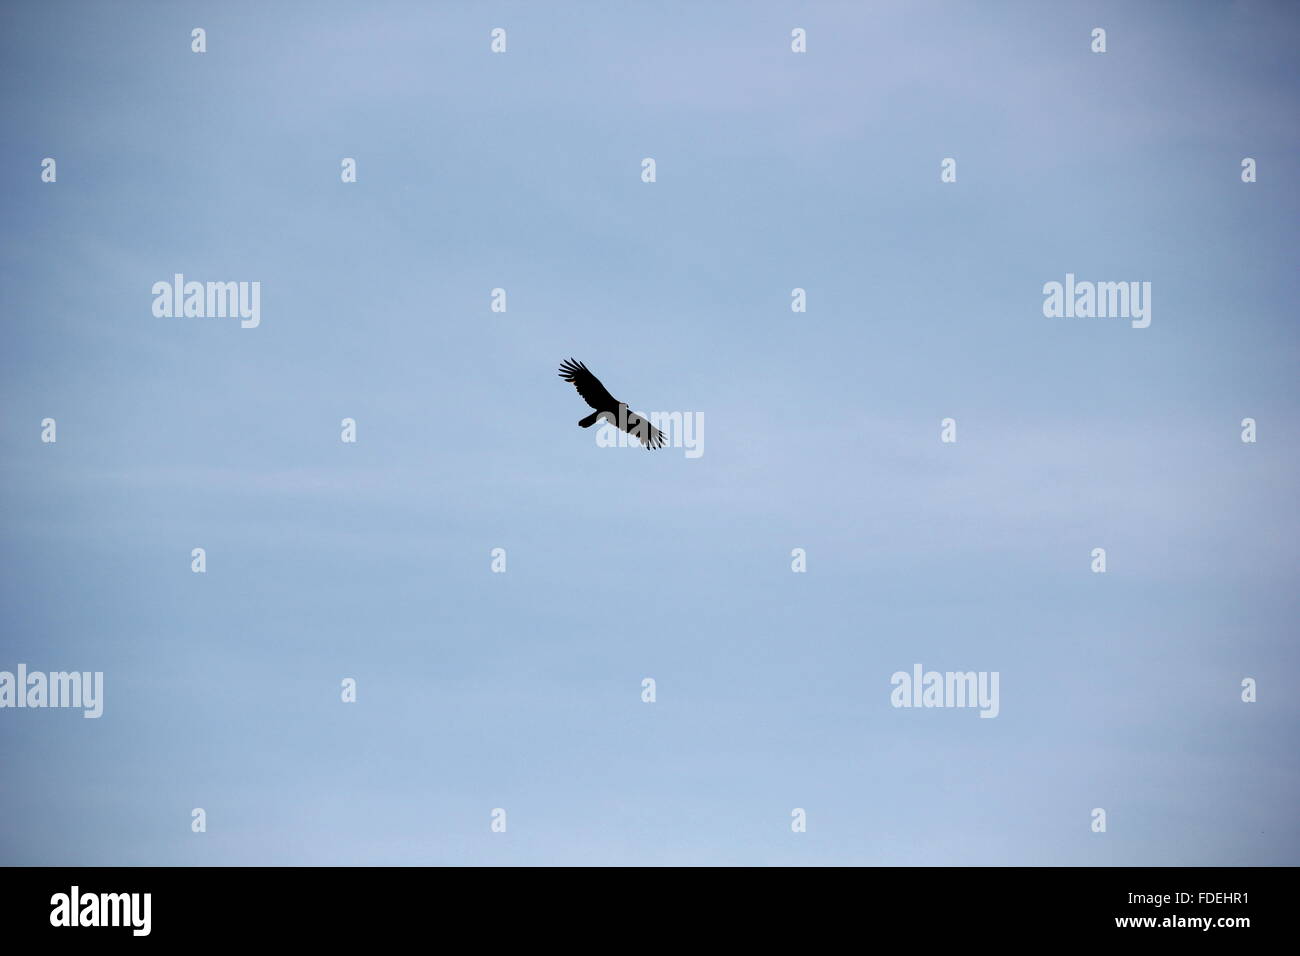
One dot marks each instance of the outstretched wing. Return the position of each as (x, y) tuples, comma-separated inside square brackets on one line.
[(588, 386), (641, 429)]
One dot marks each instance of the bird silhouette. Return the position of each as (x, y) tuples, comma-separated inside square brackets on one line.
[(608, 407)]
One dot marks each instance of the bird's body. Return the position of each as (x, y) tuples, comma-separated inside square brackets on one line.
[(608, 407)]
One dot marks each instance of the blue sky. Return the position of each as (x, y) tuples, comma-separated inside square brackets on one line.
[(522, 690)]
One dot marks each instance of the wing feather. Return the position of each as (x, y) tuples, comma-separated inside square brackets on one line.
[(588, 386), (641, 429)]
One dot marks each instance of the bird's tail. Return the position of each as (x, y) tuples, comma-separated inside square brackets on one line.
[(589, 420)]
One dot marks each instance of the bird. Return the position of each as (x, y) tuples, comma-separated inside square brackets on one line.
[(608, 407)]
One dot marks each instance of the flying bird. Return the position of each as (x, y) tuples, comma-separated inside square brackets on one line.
[(608, 407)]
